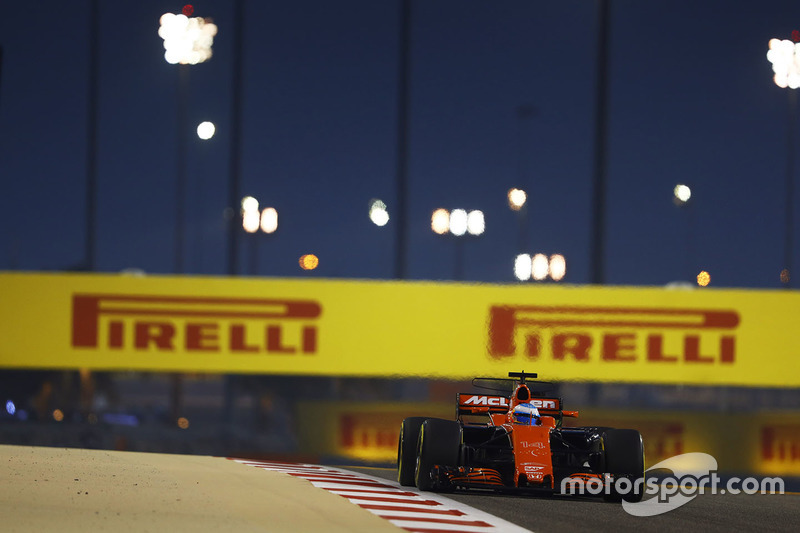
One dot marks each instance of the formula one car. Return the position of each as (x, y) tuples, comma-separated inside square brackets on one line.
[(514, 440)]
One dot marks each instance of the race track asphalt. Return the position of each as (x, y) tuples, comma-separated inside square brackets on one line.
[(706, 512)]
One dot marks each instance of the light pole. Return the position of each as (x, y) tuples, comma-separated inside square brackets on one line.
[(785, 58), (403, 114), (460, 224), (187, 41), (91, 132)]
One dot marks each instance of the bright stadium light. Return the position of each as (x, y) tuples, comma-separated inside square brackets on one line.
[(206, 130), (462, 225), (187, 40), (440, 221), (458, 222), (703, 278), (251, 216), (378, 213), (681, 194), (785, 58), (558, 267), (522, 267), (249, 204), (269, 220), (540, 267), (516, 199), (251, 220), (309, 261), (476, 224)]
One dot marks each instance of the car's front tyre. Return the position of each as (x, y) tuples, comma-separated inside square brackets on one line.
[(439, 444), (407, 450), (623, 454)]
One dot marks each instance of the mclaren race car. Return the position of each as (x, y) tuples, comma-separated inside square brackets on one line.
[(513, 439)]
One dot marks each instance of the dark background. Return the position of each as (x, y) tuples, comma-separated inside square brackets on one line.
[(690, 100)]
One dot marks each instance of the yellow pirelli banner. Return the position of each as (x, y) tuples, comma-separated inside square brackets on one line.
[(375, 328)]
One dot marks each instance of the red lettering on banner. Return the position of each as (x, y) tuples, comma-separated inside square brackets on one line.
[(115, 337), (626, 334), (781, 443), (274, 343), (309, 340), (238, 342), (619, 347), (369, 431), (116, 321), (157, 333), (202, 337), (655, 350), (575, 344)]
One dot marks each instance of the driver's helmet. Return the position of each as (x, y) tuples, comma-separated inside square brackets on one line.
[(526, 414)]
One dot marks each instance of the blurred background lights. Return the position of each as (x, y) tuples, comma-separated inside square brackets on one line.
[(785, 277), (558, 267), (58, 415), (458, 222), (475, 222), (11, 408), (378, 213), (206, 130), (187, 40), (249, 204), (516, 199), (703, 278), (309, 262), (522, 267), (539, 267), (183, 422), (269, 220), (251, 220), (682, 193), (783, 54), (440, 221)]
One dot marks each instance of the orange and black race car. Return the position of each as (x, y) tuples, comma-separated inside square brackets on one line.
[(514, 439)]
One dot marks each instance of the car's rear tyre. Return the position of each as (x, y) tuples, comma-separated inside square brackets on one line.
[(439, 444), (407, 450), (623, 454)]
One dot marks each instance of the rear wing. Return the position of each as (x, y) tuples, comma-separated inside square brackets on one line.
[(471, 404)]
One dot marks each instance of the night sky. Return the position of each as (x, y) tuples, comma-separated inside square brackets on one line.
[(691, 100)]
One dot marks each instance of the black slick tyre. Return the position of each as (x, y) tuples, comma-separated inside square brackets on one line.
[(439, 444), (623, 454), (407, 450)]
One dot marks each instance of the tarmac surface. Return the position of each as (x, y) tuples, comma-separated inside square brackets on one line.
[(706, 512)]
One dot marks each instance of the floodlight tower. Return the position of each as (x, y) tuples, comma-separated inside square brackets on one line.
[(785, 58), (187, 41), (461, 224)]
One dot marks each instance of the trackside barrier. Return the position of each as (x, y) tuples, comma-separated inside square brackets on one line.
[(759, 444), (385, 329)]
